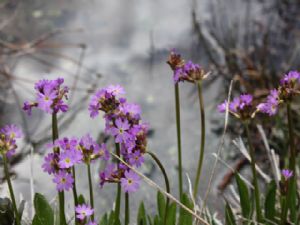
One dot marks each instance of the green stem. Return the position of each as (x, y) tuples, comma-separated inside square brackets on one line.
[(127, 212), (292, 165), (75, 193), (292, 160), (202, 145), (255, 182), (284, 210), (118, 197), (155, 158), (177, 106), (91, 188), (11, 191), (61, 196)]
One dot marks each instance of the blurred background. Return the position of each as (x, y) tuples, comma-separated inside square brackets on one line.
[(94, 43)]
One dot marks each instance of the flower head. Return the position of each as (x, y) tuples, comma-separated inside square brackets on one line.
[(50, 163), (287, 174), (49, 97), (64, 180), (8, 139), (83, 211), (131, 181)]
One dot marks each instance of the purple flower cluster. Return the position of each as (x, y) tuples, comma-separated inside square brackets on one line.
[(182, 71), (8, 138), (72, 151), (241, 107), (123, 121), (289, 87), (49, 97)]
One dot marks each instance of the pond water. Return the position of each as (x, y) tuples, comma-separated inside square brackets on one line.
[(128, 43)]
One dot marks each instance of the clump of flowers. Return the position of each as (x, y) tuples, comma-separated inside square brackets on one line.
[(182, 71), (8, 139), (289, 87), (241, 107), (123, 121), (72, 151), (50, 95)]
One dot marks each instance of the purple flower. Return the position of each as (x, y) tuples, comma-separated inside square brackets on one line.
[(83, 211), (120, 131), (131, 181), (12, 131), (49, 97), (290, 77), (179, 75), (67, 159), (222, 107), (133, 110), (103, 152), (63, 180), (91, 223), (8, 136), (287, 174), (136, 159), (45, 100), (115, 90), (107, 174), (271, 106), (234, 105), (245, 100), (49, 164)]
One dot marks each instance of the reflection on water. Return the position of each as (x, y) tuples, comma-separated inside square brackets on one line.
[(128, 43)]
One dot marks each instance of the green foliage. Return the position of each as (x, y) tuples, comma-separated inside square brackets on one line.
[(81, 200), (245, 201), (141, 217), (171, 215), (161, 205), (44, 214), (185, 218), (229, 216), (270, 201)]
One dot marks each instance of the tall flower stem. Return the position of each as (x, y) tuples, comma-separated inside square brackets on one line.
[(90, 187), (292, 161), (75, 192), (61, 196), (177, 106), (118, 197), (127, 212), (155, 158), (11, 191), (255, 182), (202, 145)]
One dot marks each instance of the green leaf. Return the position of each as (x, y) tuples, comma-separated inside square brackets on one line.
[(185, 218), (104, 220), (157, 220), (111, 218), (21, 209), (171, 216), (161, 204), (44, 214), (292, 200), (245, 200), (149, 220), (141, 218), (270, 201), (81, 200), (229, 216)]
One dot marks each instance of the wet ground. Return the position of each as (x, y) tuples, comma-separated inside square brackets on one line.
[(128, 43)]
